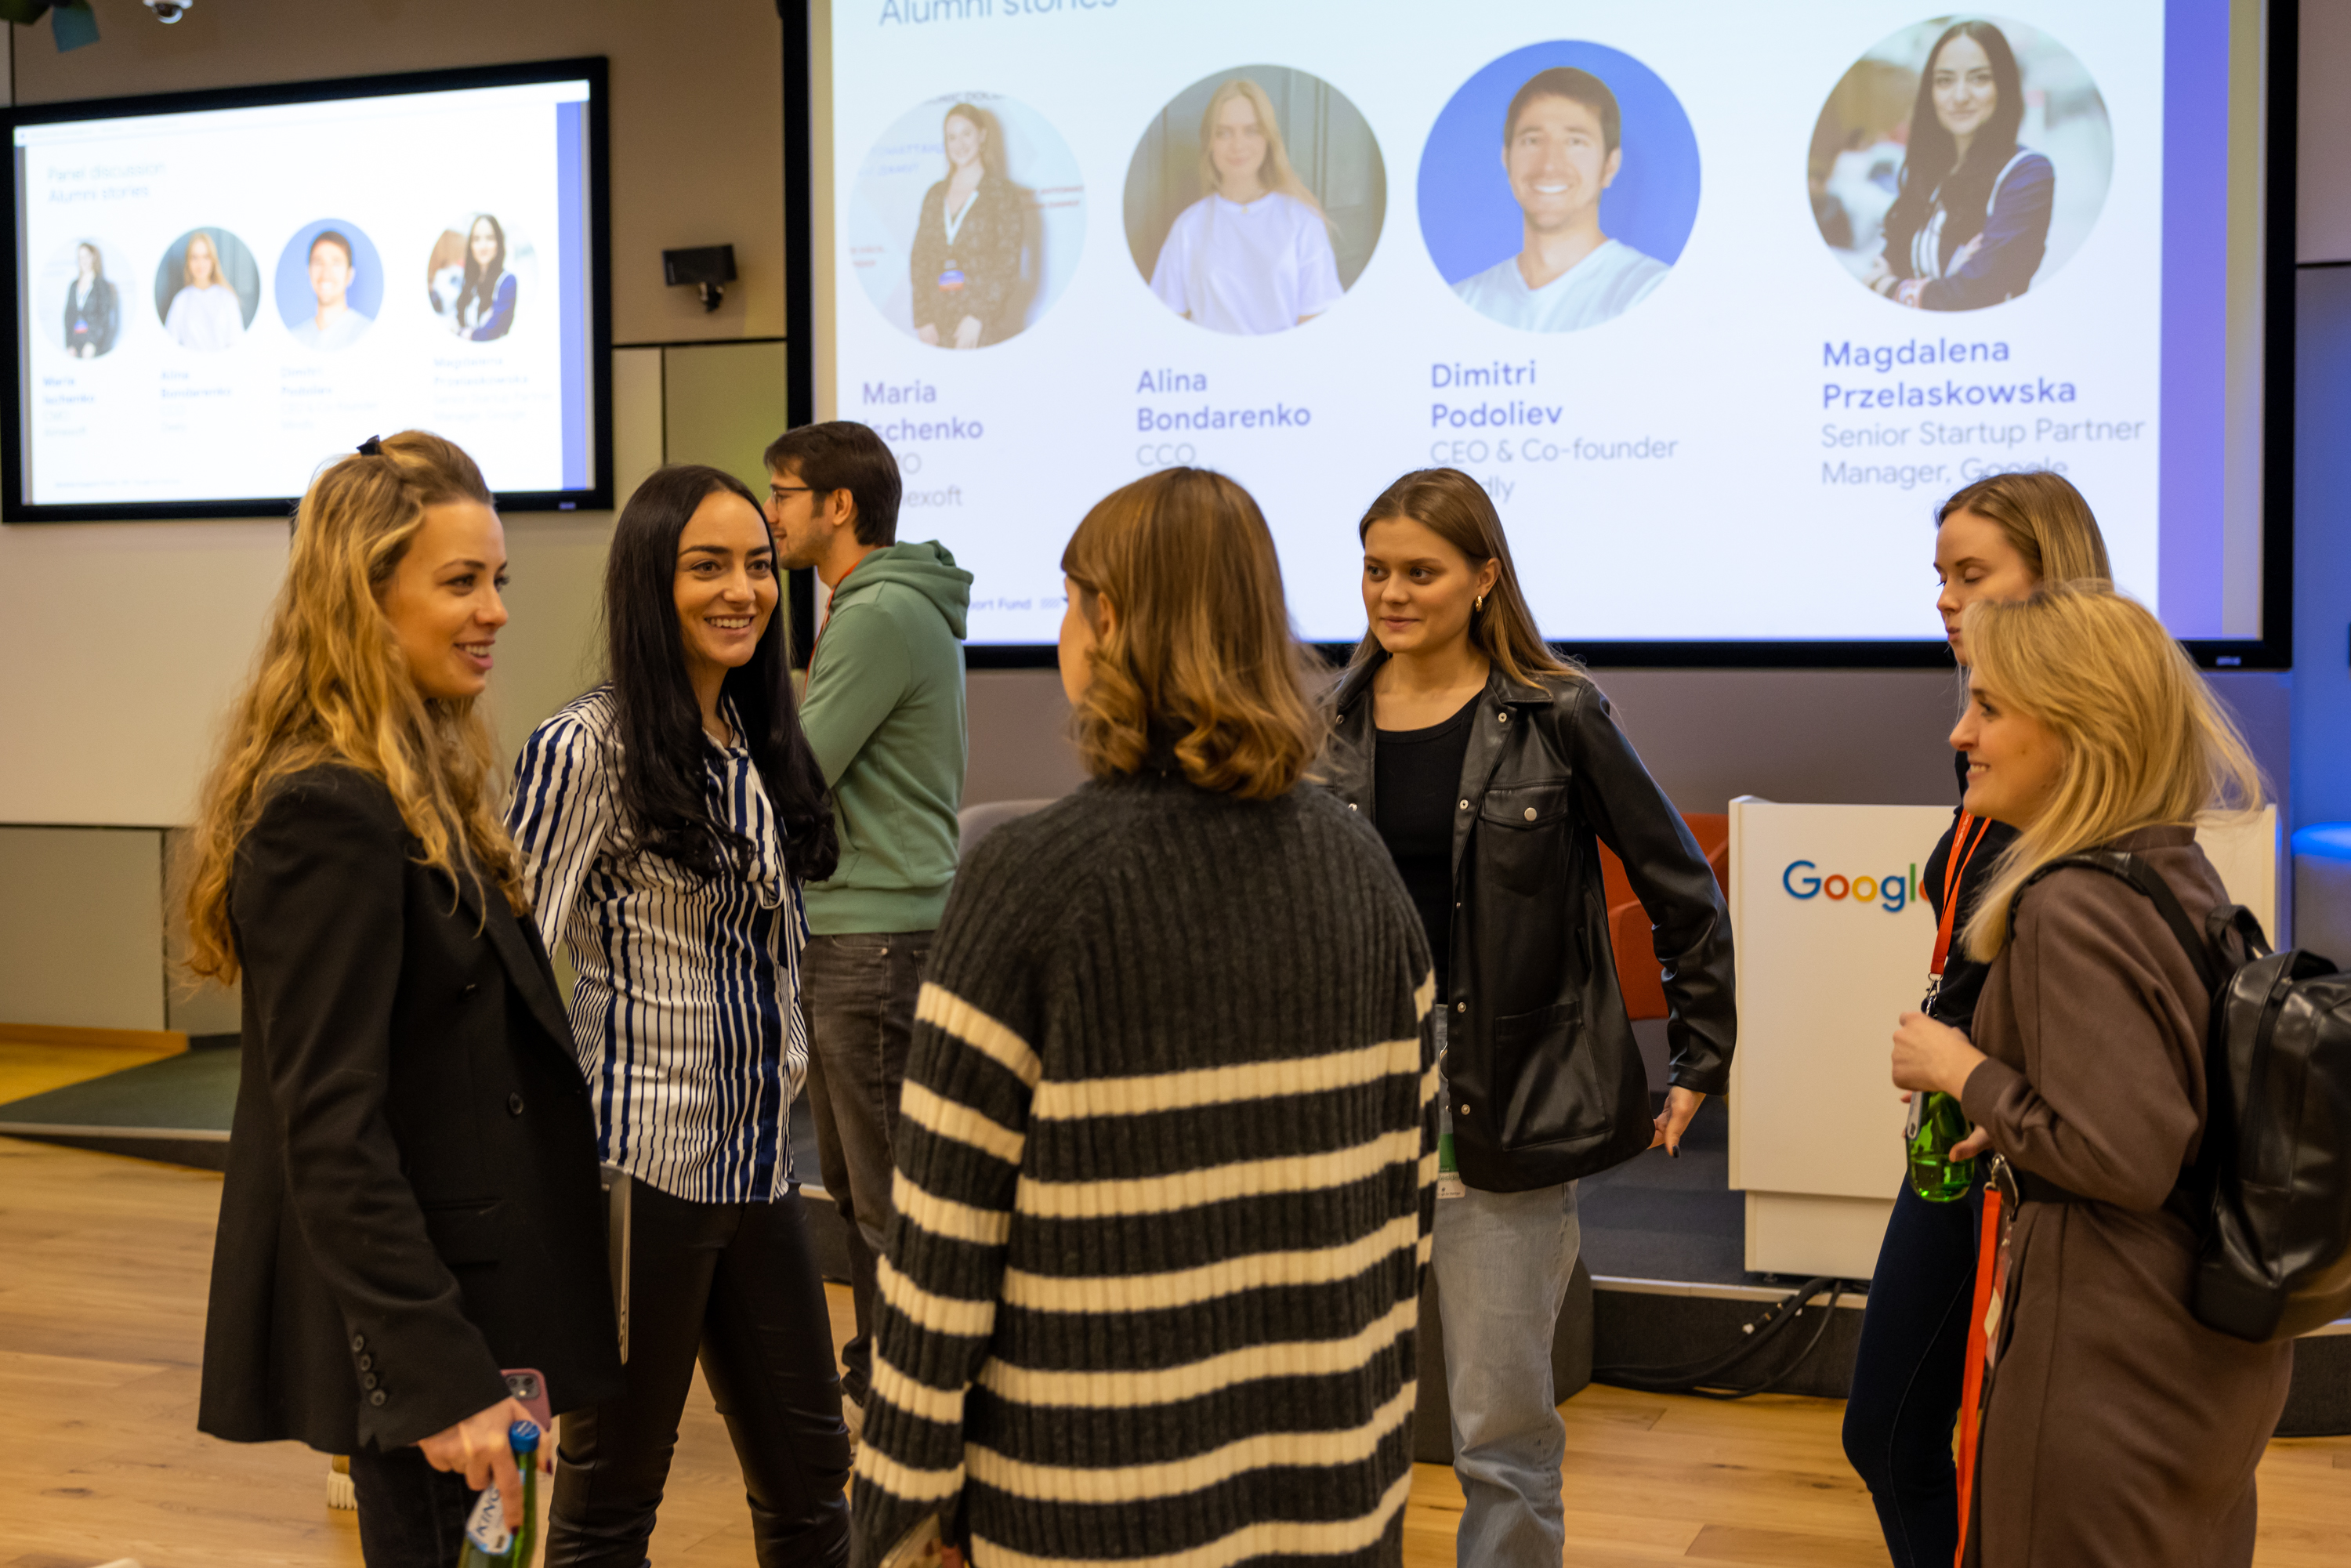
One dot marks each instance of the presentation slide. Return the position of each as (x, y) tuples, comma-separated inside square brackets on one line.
[(211, 304), (1716, 300)]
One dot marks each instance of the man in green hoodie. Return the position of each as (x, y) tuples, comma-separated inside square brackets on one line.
[(884, 714)]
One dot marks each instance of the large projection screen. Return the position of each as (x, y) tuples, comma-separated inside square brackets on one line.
[(1719, 301), (214, 293)]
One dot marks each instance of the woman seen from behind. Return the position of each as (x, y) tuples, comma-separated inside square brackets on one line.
[(1164, 1146)]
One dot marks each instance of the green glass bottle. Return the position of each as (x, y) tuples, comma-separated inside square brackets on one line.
[(488, 1542), (1936, 1126)]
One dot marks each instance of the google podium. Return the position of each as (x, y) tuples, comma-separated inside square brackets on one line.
[(1834, 933)]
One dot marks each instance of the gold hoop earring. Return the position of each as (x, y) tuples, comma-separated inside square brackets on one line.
[(1477, 605)]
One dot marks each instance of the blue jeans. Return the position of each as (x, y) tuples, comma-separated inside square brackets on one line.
[(1502, 1263)]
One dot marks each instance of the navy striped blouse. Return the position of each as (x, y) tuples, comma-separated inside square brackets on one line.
[(686, 1010)]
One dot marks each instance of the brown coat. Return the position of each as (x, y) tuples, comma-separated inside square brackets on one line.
[(2120, 1430)]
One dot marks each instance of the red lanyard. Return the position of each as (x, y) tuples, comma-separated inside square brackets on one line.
[(1954, 870), (1983, 1344)]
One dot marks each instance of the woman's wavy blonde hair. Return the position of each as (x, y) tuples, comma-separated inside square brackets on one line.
[(2144, 743), (331, 687), (1199, 660)]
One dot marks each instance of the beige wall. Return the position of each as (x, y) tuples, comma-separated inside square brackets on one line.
[(82, 912), (81, 929), (142, 632)]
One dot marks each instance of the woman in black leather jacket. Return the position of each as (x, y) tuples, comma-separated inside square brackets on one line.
[(1494, 772)]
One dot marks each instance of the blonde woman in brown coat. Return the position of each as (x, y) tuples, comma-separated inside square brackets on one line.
[(2119, 1430)]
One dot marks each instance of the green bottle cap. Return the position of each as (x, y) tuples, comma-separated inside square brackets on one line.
[(524, 1437)]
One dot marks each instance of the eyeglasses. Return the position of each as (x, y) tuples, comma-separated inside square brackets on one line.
[(778, 492)]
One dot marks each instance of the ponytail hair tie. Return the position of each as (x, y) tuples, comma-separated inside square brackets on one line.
[(371, 447)]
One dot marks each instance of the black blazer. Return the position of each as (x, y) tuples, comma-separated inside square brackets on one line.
[(101, 307), (1545, 1077), (411, 1199)]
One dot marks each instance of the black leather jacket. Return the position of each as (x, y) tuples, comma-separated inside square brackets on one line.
[(1546, 1081)]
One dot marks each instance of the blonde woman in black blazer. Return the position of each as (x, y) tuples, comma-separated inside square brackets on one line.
[(411, 1202)]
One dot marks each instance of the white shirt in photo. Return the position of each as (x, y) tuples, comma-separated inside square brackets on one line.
[(1254, 268), (206, 318), (346, 331), (1601, 288)]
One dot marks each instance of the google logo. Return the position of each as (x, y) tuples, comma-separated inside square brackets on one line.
[(1892, 893)]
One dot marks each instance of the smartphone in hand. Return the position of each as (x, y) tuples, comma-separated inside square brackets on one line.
[(530, 1391)]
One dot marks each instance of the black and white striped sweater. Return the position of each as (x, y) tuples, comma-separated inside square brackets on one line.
[(1166, 1165)]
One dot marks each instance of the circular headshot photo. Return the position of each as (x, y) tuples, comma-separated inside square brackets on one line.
[(1559, 187), (1961, 163), (1254, 198), (475, 277), (75, 301), (965, 222), (330, 284), (206, 290)]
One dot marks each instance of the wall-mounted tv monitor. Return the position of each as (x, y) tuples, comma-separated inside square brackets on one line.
[(1716, 300), (216, 293)]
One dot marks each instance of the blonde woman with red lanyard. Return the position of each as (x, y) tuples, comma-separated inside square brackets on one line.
[(1998, 539)]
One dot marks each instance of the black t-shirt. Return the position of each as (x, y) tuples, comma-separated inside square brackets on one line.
[(1963, 977), (1416, 781)]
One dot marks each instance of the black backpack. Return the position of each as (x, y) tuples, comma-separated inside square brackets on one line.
[(2270, 1192)]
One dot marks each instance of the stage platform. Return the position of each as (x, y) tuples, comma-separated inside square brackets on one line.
[(1664, 1239), (175, 1109)]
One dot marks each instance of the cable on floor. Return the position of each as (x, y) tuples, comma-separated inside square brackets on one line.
[(1709, 1377)]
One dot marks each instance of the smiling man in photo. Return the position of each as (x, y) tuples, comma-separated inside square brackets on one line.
[(337, 323), (1562, 148)]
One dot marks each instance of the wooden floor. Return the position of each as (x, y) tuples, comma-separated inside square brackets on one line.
[(102, 1270)]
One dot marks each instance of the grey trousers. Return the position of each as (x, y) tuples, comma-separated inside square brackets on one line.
[(858, 991)]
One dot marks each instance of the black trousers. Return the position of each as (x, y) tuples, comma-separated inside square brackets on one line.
[(736, 1283), (410, 1515), (1906, 1377)]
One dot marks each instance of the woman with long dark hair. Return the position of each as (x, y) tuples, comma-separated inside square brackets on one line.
[(485, 302), (1996, 541), (1972, 220), (1493, 771), (666, 820), (964, 263)]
